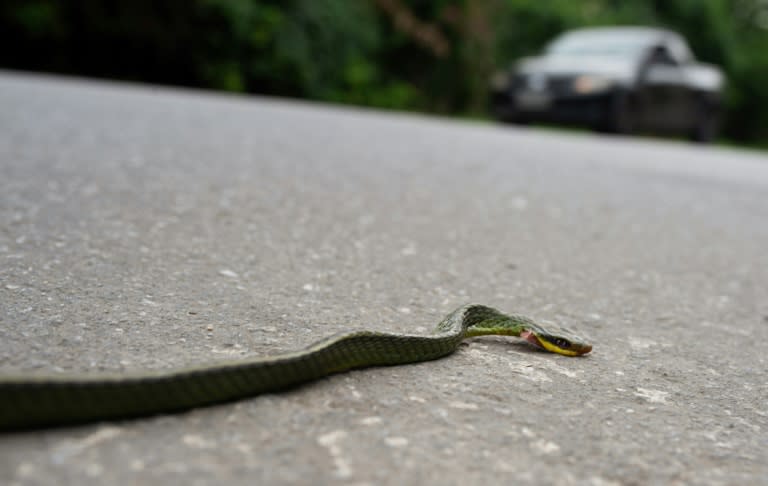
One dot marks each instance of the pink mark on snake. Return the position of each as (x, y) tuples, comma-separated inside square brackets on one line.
[(531, 338)]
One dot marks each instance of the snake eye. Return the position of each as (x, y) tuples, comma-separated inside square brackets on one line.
[(562, 343)]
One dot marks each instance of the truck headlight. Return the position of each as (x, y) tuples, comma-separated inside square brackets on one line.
[(588, 84)]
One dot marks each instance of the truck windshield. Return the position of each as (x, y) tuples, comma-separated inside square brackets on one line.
[(611, 44)]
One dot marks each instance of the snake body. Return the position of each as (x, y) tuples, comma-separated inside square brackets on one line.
[(34, 401)]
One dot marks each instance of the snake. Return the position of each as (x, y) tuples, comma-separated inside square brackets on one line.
[(35, 401)]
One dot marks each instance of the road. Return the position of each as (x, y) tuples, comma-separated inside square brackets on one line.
[(147, 228)]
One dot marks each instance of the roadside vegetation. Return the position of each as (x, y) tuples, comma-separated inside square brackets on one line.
[(431, 56)]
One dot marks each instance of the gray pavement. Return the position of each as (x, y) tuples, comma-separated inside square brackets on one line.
[(147, 228)]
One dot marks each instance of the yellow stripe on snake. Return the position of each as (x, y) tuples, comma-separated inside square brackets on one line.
[(34, 400)]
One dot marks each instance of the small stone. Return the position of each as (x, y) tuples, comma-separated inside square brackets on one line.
[(197, 442), (396, 441), (371, 421), (545, 446), (463, 406)]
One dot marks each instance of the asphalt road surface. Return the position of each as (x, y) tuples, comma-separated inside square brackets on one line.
[(147, 228)]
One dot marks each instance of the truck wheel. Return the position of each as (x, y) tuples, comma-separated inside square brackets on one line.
[(621, 115), (707, 123)]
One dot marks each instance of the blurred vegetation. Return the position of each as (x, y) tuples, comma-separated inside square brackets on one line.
[(426, 55)]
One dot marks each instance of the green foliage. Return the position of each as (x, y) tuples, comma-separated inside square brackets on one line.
[(428, 55)]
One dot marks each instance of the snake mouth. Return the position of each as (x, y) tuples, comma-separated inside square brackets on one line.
[(531, 338)]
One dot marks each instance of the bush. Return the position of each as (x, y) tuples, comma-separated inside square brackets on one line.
[(428, 55)]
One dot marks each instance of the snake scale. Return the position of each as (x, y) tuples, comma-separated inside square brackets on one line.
[(35, 401)]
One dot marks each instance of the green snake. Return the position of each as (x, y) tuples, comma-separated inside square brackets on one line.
[(34, 401)]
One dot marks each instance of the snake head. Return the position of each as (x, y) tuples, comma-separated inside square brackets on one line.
[(566, 345)]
